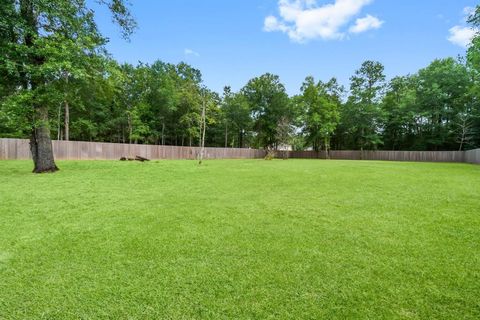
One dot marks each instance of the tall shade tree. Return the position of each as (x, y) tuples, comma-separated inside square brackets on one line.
[(162, 97), (41, 41), (362, 114), (269, 103), (402, 121), (442, 96), (237, 118), (321, 111)]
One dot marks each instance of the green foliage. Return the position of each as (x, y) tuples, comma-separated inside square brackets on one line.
[(42, 40), (237, 117), (362, 116), (268, 103), (320, 103), (401, 127), (441, 96)]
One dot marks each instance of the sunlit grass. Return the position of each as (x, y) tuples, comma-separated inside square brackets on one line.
[(240, 239)]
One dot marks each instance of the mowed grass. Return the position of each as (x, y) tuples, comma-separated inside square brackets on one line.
[(240, 239)]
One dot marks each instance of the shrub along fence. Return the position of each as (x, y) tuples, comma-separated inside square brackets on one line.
[(18, 149)]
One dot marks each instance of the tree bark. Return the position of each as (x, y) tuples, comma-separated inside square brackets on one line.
[(327, 148), (130, 128), (240, 139), (163, 133), (41, 143), (226, 135), (202, 133), (59, 121), (67, 111), (67, 120)]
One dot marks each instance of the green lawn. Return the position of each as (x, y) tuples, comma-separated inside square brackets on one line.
[(254, 239)]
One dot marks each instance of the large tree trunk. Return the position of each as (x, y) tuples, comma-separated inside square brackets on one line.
[(202, 134), (130, 128), (41, 143), (327, 148), (59, 122), (240, 139), (226, 135), (67, 111), (163, 133)]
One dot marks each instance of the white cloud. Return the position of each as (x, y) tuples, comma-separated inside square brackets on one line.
[(304, 20), (462, 35), (272, 24), (190, 52), (366, 23)]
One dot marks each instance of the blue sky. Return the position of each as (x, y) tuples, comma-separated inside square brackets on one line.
[(232, 41)]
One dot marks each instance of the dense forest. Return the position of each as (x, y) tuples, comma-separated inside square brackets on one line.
[(56, 62)]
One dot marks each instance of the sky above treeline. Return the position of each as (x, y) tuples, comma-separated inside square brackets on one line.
[(233, 41)]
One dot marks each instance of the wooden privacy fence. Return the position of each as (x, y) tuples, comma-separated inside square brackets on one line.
[(18, 149), (472, 156), (417, 156)]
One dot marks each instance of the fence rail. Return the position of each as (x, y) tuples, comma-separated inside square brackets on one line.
[(18, 149)]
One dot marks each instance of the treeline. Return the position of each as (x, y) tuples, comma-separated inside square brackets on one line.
[(91, 97), (435, 109)]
